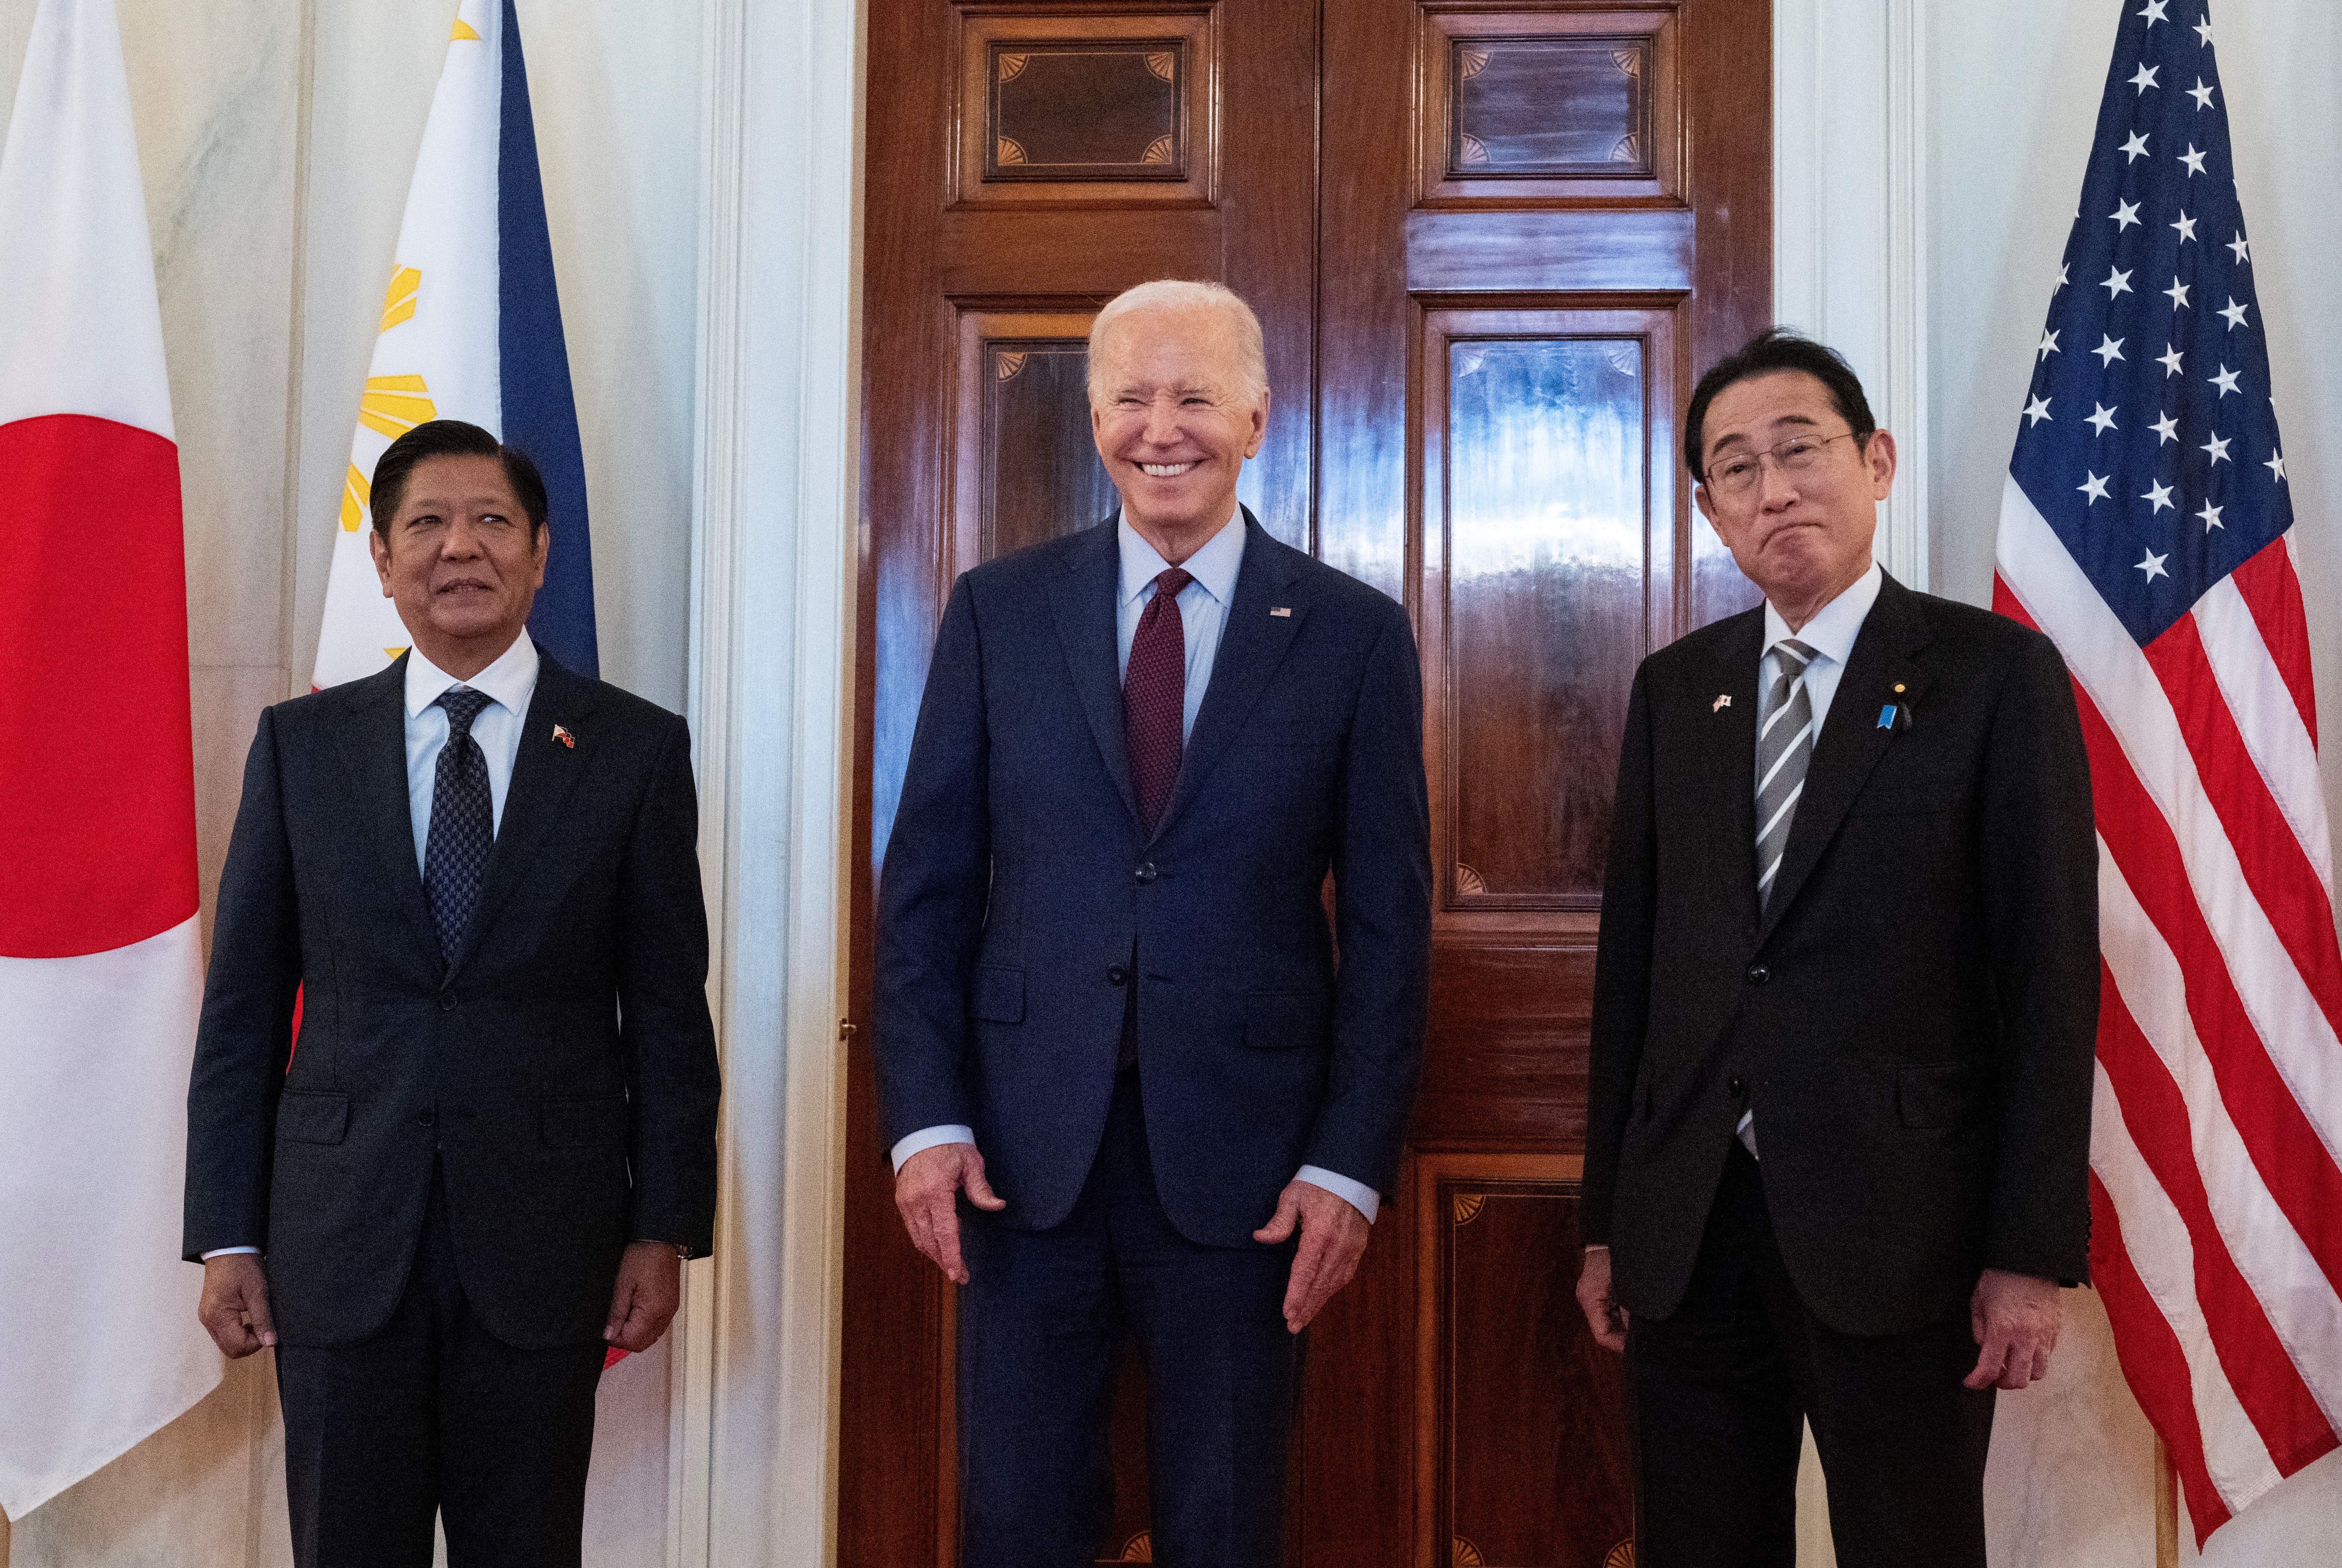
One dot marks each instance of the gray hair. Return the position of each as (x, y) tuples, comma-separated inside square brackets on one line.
[(1180, 294)]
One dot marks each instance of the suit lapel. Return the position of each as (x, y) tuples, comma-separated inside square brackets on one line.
[(1851, 742), (1252, 644), (1726, 758), (374, 755), (544, 773), (1085, 601)]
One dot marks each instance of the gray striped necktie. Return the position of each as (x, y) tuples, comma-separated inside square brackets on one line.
[(1785, 744)]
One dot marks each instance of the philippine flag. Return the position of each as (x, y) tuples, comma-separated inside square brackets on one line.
[(100, 958), (471, 330)]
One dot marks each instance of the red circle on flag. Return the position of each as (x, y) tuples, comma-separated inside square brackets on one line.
[(98, 791)]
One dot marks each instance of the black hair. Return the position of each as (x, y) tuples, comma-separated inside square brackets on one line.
[(452, 438), (1774, 349)]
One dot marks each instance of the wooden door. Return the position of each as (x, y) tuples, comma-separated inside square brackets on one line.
[(1490, 246)]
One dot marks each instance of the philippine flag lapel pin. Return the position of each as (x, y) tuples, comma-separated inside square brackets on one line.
[(564, 737), (1723, 701)]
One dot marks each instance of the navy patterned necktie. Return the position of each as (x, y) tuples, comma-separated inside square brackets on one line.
[(1154, 697), (463, 823), (1784, 746)]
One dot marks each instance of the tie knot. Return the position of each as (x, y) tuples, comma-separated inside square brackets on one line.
[(463, 705), (1171, 581), (1794, 655)]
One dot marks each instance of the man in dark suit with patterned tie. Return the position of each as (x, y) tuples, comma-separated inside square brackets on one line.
[(495, 1141), (1126, 1086), (1844, 1006)]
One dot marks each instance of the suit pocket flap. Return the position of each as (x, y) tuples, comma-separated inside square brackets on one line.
[(1941, 1095), (1286, 1020), (1000, 995), (313, 1118), (583, 1123)]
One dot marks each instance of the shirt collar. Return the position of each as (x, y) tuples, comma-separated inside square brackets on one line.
[(1214, 567), (1831, 633), (507, 682)]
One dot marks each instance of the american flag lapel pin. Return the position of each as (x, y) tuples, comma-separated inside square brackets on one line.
[(1284, 610), (564, 737), (1723, 701)]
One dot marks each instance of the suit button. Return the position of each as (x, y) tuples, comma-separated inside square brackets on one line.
[(427, 1117), (446, 1002), (1145, 873), (1739, 1085), (1758, 974), (1115, 974)]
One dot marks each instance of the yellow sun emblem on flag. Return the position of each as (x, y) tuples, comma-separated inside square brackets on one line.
[(398, 299), (356, 494), (463, 29), (394, 404)]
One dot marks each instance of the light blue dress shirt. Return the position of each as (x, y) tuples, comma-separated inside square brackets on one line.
[(1203, 615)]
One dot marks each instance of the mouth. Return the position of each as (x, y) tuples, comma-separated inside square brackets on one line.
[(462, 585), (1164, 470)]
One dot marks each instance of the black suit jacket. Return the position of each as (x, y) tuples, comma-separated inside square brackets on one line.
[(1018, 882), (1913, 1016), (562, 1071)]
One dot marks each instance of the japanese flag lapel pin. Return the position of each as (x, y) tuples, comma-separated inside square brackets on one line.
[(564, 737), (1723, 701)]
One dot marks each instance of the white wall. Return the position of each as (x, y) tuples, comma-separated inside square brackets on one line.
[(2013, 97), (276, 138)]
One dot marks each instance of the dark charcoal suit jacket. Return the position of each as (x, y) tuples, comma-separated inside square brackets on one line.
[(1017, 880), (563, 1071), (1913, 1016)]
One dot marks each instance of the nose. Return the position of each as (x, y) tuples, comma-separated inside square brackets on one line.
[(461, 543), (1162, 422), (1775, 488)]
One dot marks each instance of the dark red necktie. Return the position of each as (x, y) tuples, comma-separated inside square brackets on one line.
[(1154, 697)]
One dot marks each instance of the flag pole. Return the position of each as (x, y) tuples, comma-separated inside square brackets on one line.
[(4, 1538), (2167, 1511)]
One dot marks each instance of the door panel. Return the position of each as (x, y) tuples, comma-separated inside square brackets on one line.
[(1490, 245)]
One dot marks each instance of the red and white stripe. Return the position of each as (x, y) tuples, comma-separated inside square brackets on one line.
[(2216, 1146)]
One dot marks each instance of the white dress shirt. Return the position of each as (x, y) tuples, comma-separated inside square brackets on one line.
[(1203, 614), (1830, 634), (509, 683)]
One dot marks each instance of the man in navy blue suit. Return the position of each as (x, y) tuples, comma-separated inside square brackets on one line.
[(1127, 1085)]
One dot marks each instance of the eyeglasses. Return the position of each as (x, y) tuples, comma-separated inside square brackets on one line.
[(1736, 476)]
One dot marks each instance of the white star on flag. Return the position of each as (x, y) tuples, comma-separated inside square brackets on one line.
[(2201, 94), (2211, 515), (2203, 31), (2117, 281), (2177, 294), (2104, 419), (2109, 349), (2170, 359), (2048, 344), (2226, 381), (2219, 447), (2276, 465), (2094, 487), (2125, 216), (2241, 248), (2037, 410), (2235, 315), (2135, 149), (2153, 11), (2193, 159), (2167, 429), (2186, 228), (2160, 494), (2153, 565), (2146, 79)]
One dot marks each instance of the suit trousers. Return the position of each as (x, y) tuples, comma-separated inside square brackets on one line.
[(434, 1415), (1722, 1386), (1041, 1320)]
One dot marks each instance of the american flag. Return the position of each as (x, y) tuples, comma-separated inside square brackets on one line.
[(2147, 527)]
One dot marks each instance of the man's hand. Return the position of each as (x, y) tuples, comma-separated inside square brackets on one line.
[(2015, 1318), (927, 1191), (644, 1301), (1333, 1240), (234, 1309), (1604, 1315)]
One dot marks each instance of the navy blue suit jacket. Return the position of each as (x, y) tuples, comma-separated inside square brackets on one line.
[(561, 1072), (1018, 882)]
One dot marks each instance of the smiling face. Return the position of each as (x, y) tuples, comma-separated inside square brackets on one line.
[(1175, 413), (1803, 537), (461, 562)]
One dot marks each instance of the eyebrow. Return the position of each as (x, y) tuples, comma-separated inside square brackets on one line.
[(1728, 439)]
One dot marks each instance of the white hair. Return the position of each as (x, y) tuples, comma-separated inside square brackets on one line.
[(1183, 294)]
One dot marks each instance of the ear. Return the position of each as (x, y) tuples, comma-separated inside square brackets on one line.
[(1701, 499), (542, 551), (1878, 457), (1259, 424), (379, 548)]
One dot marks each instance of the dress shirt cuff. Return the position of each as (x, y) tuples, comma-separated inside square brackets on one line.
[(223, 1251), (1358, 1194), (927, 1138)]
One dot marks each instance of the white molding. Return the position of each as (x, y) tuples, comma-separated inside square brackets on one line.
[(1850, 219), (753, 1474)]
